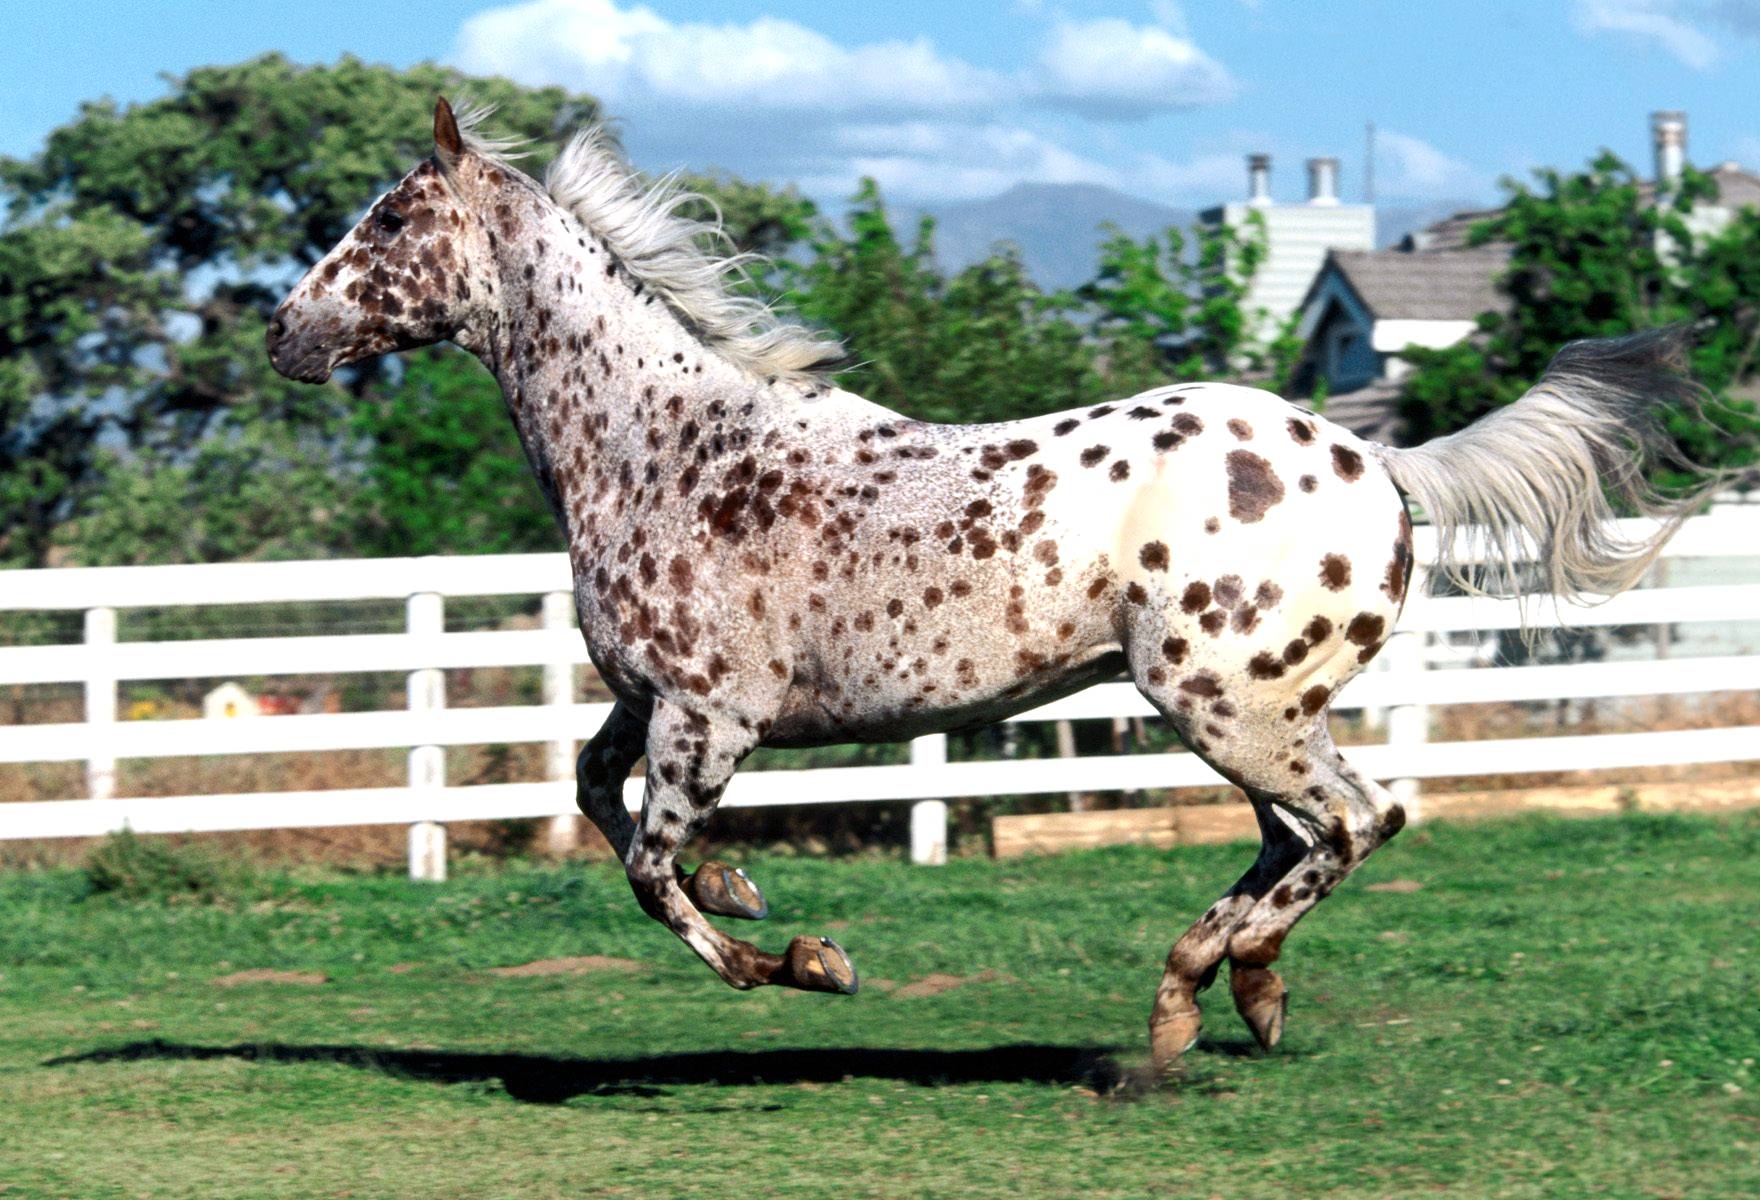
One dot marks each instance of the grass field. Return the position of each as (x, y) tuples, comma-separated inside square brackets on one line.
[(1557, 1009)]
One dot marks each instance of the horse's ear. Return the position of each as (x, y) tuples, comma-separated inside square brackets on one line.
[(448, 142)]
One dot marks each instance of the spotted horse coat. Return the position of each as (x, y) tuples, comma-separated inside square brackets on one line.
[(763, 559)]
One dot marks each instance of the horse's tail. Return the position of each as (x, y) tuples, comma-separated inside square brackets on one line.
[(1541, 478)]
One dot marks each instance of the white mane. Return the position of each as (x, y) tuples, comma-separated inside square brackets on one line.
[(669, 252)]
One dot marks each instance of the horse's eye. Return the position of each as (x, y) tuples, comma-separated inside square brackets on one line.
[(390, 220)]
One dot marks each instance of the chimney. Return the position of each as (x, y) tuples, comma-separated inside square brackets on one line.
[(1258, 179), (1323, 181), (1668, 134)]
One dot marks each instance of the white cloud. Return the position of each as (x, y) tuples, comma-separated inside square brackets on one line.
[(772, 99), (924, 161), (1110, 69), (1687, 29), (1409, 168), (636, 60)]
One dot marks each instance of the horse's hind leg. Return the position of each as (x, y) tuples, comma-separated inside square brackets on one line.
[(1347, 818), (691, 756), (604, 764), (1195, 957)]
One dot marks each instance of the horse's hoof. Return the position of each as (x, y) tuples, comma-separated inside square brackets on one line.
[(1262, 1000), (725, 892), (820, 965), (1171, 1038)]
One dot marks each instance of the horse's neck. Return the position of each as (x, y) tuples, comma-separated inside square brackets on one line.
[(599, 375)]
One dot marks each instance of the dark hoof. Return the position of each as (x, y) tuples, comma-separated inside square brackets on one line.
[(1262, 1001), (820, 965), (719, 889)]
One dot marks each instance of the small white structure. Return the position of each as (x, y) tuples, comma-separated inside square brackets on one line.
[(229, 700), (1297, 235)]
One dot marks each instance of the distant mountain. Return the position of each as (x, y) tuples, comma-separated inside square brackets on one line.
[(1057, 226)]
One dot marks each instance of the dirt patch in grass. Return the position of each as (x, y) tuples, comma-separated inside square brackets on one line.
[(584, 964), (270, 975), (940, 981), (1399, 886)]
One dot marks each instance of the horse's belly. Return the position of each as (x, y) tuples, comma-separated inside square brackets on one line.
[(815, 715)]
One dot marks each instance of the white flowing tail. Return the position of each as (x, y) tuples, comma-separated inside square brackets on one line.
[(1541, 478)]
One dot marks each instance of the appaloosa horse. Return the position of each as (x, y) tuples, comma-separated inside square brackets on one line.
[(761, 558)]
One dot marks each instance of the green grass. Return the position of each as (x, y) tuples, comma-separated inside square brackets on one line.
[(1562, 1009)]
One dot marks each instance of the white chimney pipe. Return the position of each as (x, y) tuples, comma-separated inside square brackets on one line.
[(1258, 179), (1668, 133), (1323, 181)]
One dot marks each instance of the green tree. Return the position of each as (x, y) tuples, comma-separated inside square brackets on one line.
[(1174, 305), (983, 345), (444, 472), (142, 252), (1593, 256)]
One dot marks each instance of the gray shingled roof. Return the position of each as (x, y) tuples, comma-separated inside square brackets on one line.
[(1736, 187), (1450, 233), (1371, 411), (1425, 285)]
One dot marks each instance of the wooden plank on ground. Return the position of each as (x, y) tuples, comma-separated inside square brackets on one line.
[(1050, 833), (1711, 796)]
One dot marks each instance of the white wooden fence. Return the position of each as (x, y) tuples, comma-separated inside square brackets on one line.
[(1407, 683)]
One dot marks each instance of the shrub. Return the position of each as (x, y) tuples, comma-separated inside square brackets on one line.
[(152, 869)]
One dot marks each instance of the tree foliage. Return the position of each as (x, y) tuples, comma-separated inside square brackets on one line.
[(1593, 256), (143, 251), (144, 248)]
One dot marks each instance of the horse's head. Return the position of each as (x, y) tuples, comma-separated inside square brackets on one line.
[(414, 271)]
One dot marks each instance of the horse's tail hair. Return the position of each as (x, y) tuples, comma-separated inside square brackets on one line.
[(1542, 479)]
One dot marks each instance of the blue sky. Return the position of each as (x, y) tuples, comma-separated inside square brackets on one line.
[(948, 100)]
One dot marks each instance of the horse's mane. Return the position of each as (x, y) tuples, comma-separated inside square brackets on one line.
[(671, 253)]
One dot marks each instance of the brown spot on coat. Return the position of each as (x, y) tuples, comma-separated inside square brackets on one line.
[(1335, 572), (1347, 463), (1154, 556), (1253, 487), (1264, 665), (1366, 630)]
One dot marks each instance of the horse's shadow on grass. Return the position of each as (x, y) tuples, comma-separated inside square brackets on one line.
[(546, 1079)]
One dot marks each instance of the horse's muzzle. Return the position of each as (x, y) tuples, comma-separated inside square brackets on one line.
[(295, 354)]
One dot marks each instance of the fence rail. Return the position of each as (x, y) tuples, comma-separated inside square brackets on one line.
[(1408, 685)]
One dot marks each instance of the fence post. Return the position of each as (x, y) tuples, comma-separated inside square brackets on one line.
[(929, 817), (101, 705), (564, 832), (427, 764), (1408, 723)]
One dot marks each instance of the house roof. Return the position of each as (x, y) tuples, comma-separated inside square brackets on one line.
[(1736, 187), (1371, 412), (1425, 285), (1450, 233)]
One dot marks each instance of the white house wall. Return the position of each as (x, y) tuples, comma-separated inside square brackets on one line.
[(1298, 237), (1390, 337)]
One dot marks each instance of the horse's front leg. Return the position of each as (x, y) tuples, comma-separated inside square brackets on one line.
[(601, 771), (692, 753)]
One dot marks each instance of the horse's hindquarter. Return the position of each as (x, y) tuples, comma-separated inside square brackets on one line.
[(967, 573)]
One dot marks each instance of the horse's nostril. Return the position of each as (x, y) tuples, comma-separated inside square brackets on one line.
[(277, 329)]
